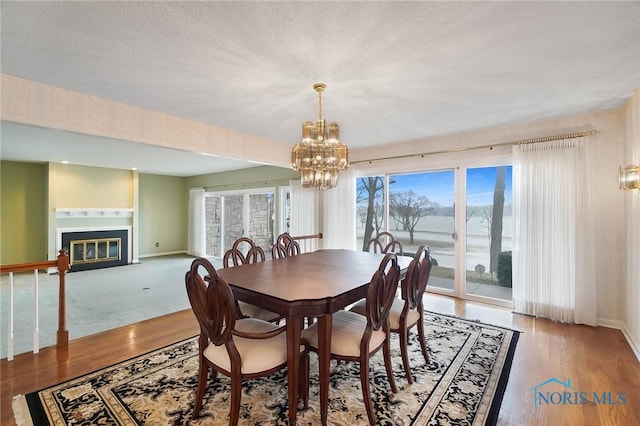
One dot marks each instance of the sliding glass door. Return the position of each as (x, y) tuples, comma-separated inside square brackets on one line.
[(420, 211), (489, 232), (231, 215), (464, 216)]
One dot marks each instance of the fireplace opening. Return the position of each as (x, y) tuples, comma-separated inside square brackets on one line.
[(96, 249)]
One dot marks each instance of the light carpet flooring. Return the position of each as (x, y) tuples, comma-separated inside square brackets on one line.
[(97, 300)]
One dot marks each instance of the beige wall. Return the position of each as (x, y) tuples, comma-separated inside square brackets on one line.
[(631, 155), (23, 214), (91, 187)]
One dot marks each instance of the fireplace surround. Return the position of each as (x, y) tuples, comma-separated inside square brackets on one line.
[(95, 248)]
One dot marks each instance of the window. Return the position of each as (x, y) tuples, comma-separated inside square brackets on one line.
[(489, 229), (231, 215), (470, 245)]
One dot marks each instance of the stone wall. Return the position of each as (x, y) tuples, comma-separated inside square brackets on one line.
[(261, 221), (212, 221)]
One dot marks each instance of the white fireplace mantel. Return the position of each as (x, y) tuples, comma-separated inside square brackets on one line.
[(63, 213)]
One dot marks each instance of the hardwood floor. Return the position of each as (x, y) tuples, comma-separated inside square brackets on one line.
[(594, 359)]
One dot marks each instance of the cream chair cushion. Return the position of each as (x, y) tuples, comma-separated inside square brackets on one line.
[(256, 354), (256, 312), (394, 314), (346, 333)]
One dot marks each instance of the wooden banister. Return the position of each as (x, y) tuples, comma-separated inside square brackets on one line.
[(306, 241), (62, 265), (308, 237)]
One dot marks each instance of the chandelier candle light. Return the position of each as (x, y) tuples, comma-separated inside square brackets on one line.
[(320, 155)]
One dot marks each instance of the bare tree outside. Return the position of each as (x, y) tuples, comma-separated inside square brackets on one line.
[(408, 208), (370, 190), (496, 218), (471, 211), (491, 217), (486, 216)]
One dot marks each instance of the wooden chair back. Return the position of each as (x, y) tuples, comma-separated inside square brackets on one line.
[(211, 300), (417, 278), (385, 242), (243, 251), (285, 246), (381, 292)]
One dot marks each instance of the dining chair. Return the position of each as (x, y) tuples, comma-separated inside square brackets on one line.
[(285, 246), (385, 242), (241, 349), (356, 337), (408, 312), (244, 250)]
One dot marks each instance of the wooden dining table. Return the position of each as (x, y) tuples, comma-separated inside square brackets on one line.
[(315, 284)]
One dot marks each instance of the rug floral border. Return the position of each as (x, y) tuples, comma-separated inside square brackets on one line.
[(463, 383)]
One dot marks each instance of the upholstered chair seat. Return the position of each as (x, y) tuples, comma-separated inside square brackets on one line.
[(356, 337), (252, 311), (346, 333), (256, 355), (407, 312), (240, 348), (394, 314)]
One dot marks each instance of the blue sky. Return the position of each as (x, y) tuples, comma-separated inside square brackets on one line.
[(481, 183), (439, 186)]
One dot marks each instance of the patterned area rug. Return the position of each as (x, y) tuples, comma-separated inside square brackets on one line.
[(463, 384)]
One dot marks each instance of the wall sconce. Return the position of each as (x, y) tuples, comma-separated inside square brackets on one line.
[(629, 177)]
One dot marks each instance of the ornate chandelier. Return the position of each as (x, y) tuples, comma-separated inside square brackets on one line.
[(320, 155)]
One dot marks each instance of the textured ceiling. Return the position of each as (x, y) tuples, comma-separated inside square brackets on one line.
[(395, 71)]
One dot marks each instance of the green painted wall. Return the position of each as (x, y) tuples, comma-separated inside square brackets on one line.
[(163, 205), (23, 212)]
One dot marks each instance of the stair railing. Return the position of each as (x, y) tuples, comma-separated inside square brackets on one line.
[(62, 266), (305, 241)]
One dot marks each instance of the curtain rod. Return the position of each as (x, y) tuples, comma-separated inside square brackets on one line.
[(491, 146), (247, 185)]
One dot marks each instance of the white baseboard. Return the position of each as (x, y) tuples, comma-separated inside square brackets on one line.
[(619, 325), (602, 322), (635, 346), (167, 253)]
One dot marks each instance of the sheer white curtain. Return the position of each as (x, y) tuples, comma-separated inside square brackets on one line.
[(554, 253), (196, 238), (339, 213), (304, 214)]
